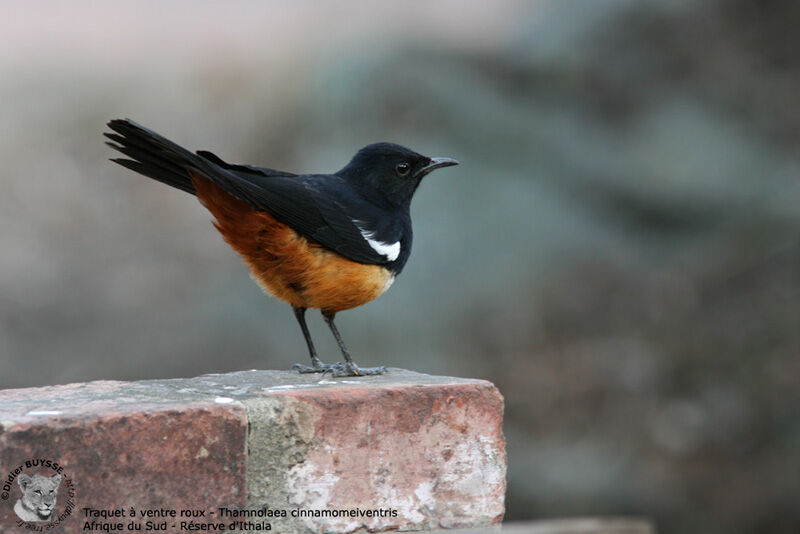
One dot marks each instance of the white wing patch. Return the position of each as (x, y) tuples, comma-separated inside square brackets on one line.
[(390, 251)]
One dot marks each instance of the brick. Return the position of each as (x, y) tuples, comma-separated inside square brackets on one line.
[(145, 444), (430, 448)]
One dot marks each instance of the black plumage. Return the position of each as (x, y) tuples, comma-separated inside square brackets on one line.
[(348, 211)]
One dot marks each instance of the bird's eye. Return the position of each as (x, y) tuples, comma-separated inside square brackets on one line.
[(403, 168)]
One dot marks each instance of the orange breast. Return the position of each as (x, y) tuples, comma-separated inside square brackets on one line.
[(287, 265)]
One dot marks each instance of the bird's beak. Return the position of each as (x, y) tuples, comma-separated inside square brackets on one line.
[(436, 163)]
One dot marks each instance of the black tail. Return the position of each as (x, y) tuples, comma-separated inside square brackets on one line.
[(154, 156)]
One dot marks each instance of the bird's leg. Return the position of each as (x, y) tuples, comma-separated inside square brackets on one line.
[(316, 365), (349, 368)]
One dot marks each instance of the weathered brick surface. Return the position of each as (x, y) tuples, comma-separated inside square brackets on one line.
[(430, 448), (146, 445), (433, 453)]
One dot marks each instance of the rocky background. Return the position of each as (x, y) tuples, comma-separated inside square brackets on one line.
[(618, 251)]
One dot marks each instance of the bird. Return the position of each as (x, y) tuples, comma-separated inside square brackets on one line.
[(330, 242)]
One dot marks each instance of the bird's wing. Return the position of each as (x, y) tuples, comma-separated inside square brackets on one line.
[(359, 227), (323, 210), (321, 207)]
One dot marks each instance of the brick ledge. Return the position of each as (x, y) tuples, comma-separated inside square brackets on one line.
[(429, 447)]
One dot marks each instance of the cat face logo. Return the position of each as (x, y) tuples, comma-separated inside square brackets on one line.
[(39, 496), (41, 483)]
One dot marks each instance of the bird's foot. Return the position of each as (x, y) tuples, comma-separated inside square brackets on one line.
[(351, 369), (338, 369), (317, 367)]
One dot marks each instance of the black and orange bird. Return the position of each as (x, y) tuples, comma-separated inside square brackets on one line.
[(325, 241)]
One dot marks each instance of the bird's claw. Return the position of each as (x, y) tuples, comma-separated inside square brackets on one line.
[(354, 370), (316, 368), (339, 369)]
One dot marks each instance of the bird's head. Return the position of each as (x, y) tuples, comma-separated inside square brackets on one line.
[(392, 170)]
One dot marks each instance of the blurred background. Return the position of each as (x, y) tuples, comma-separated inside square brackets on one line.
[(618, 250)]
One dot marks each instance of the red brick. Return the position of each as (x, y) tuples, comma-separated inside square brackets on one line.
[(122, 448), (430, 448)]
